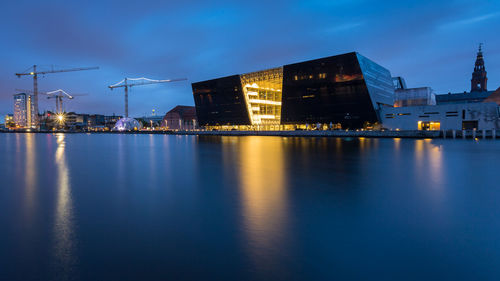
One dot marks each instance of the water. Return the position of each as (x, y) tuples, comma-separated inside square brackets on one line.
[(158, 207)]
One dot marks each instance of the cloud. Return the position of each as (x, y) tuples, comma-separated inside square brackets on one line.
[(201, 40), (469, 21)]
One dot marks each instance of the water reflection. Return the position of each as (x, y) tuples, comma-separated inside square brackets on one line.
[(63, 226), (429, 165), (30, 175), (263, 194)]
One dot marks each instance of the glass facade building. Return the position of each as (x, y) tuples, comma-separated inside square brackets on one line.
[(344, 90)]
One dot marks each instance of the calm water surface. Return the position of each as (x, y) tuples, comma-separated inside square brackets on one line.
[(158, 207)]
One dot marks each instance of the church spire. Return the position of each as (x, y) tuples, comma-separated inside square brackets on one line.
[(479, 79)]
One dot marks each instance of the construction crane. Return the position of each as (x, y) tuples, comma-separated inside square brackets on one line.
[(32, 71), (141, 81), (58, 95)]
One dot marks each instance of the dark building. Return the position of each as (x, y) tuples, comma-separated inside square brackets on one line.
[(346, 90), (479, 80)]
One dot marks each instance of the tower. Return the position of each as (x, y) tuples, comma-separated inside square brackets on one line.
[(479, 79)]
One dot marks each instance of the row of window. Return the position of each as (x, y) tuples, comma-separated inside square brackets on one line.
[(310, 76), (426, 114)]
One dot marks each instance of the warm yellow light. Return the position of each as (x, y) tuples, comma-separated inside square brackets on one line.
[(32, 73)]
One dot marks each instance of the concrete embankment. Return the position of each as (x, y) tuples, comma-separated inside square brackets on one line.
[(336, 133), (366, 134)]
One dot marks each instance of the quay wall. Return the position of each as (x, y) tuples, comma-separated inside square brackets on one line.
[(449, 134)]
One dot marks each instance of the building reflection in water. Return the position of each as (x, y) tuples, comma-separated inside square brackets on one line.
[(429, 163), (63, 226), (263, 194)]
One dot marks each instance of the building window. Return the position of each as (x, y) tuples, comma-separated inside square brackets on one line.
[(429, 126)]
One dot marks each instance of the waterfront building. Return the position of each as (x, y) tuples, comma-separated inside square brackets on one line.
[(414, 97), (464, 97), (24, 111), (151, 121), (475, 110), (127, 124), (343, 91), (180, 117), (466, 116), (9, 121)]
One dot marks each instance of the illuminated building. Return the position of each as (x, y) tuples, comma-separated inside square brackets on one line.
[(343, 91), (24, 111), (127, 124), (9, 121)]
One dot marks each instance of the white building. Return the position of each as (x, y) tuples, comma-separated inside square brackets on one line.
[(465, 116)]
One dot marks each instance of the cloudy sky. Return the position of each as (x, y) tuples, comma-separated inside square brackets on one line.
[(430, 43)]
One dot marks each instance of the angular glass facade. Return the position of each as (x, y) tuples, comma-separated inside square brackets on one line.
[(262, 91), (346, 90), (220, 102)]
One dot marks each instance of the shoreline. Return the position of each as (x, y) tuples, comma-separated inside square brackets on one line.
[(490, 134)]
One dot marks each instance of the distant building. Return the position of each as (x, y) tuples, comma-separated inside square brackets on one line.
[(494, 97), (24, 111), (414, 97), (77, 121), (479, 80), (478, 92), (181, 117), (9, 121), (399, 83), (414, 109), (151, 121)]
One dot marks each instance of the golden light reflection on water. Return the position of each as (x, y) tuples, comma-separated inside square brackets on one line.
[(429, 161), (63, 226), (263, 192)]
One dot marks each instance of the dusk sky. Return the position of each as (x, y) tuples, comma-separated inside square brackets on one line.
[(429, 43)]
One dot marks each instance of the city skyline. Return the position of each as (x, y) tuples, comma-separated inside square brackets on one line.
[(199, 41)]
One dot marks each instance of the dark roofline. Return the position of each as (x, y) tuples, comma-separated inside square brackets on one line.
[(289, 64)]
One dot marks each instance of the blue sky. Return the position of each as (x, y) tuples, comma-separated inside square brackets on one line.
[(430, 43)]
